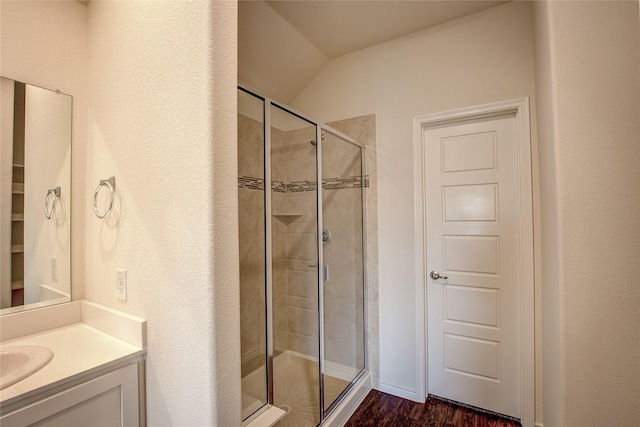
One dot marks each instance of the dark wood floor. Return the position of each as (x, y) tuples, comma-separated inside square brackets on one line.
[(383, 410)]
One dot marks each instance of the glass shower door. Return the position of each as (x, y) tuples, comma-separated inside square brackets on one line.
[(343, 287), (294, 268), (251, 202), (301, 262)]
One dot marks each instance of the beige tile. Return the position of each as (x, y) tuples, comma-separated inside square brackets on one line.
[(303, 321), (305, 344)]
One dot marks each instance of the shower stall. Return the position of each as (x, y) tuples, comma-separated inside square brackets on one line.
[(302, 268)]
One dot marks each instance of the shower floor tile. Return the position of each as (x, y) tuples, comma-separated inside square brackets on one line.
[(296, 390)]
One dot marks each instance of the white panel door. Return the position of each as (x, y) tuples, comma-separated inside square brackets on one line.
[(472, 227)]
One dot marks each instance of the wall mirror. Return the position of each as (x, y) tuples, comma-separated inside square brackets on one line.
[(35, 196)]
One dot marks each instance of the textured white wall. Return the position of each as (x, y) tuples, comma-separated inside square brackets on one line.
[(44, 43), (266, 43), (161, 118), (222, 89), (482, 58), (161, 113), (588, 81)]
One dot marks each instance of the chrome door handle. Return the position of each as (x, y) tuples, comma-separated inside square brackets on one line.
[(435, 275)]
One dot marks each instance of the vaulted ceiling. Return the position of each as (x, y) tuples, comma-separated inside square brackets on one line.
[(283, 44)]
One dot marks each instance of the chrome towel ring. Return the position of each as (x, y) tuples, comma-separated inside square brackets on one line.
[(53, 195), (111, 186)]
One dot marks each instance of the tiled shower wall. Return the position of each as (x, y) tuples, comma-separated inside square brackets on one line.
[(342, 216), (294, 242), (294, 223), (363, 130), (252, 242)]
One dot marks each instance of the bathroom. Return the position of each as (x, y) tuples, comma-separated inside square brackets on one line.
[(154, 88)]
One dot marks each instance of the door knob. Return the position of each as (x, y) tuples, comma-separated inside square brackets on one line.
[(435, 275)]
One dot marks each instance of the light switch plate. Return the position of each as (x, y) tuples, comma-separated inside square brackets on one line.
[(121, 284)]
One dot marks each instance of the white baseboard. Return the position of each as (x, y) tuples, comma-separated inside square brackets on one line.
[(400, 392), (538, 425)]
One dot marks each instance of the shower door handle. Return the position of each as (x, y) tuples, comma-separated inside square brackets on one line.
[(325, 271)]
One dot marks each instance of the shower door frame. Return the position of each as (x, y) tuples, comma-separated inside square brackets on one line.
[(319, 128), (267, 103)]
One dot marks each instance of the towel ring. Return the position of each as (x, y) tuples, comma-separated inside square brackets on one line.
[(111, 186), (54, 194)]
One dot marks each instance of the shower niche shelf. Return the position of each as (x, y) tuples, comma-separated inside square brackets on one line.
[(287, 216)]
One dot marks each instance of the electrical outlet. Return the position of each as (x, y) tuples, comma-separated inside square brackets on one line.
[(121, 284), (54, 269)]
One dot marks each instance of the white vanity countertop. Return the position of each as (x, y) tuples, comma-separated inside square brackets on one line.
[(78, 349)]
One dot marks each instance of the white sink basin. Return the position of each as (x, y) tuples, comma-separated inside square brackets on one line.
[(17, 363)]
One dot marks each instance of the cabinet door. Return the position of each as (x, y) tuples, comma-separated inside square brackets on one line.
[(109, 400)]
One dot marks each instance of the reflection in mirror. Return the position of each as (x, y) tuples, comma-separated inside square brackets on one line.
[(35, 197)]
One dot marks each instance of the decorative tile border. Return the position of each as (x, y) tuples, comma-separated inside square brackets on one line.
[(278, 186), (301, 186), (341, 183), (251, 183), (258, 184)]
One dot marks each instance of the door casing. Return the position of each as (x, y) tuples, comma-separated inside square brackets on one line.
[(519, 107)]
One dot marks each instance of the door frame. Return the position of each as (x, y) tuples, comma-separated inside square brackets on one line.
[(519, 107)]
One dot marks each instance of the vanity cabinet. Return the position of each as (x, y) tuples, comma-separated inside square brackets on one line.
[(109, 397), (96, 376)]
